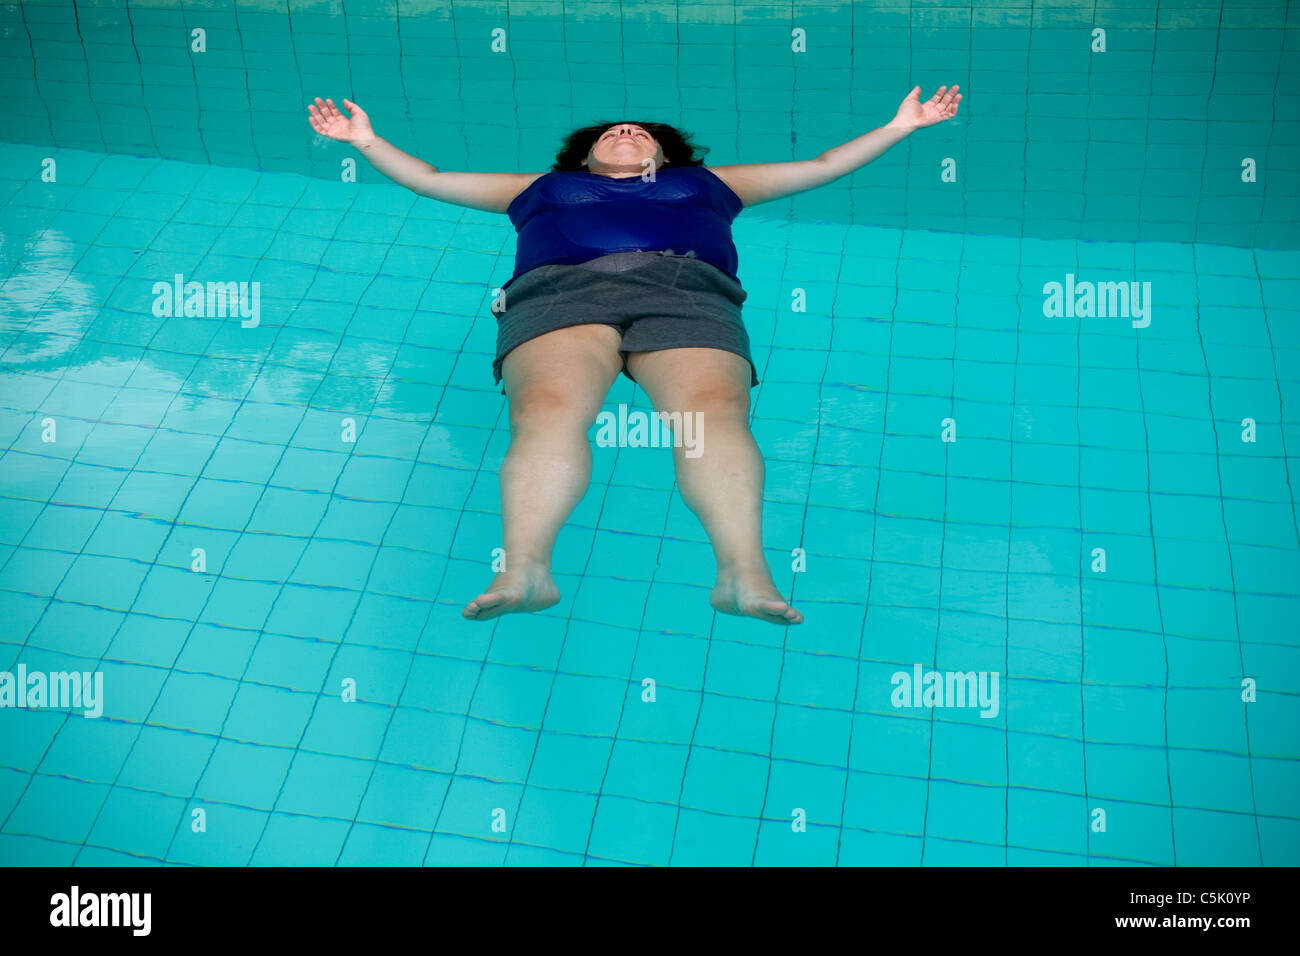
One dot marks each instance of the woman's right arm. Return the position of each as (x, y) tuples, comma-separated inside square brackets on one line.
[(492, 192)]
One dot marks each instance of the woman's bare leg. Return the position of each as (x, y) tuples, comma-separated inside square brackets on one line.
[(723, 485), (555, 384)]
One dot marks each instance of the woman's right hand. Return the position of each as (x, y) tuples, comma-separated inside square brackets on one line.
[(326, 120)]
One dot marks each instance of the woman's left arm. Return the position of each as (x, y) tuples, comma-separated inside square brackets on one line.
[(755, 183)]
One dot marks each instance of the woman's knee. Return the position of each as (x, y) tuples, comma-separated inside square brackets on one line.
[(717, 398), (550, 405)]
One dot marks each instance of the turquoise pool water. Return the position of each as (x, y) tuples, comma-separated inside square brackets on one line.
[(182, 512)]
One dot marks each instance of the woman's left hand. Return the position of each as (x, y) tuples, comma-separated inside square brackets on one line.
[(914, 114)]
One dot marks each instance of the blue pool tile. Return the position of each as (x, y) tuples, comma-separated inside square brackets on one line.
[(708, 839), (496, 752), (172, 592), (1043, 761), (555, 818), (239, 604), (646, 770), (890, 744), (106, 582), (307, 469), (282, 511), (885, 803), (965, 812), (229, 836), (218, 651), (268, 715), (136, 822), (863, 848), (941, 852), (818, 791), (743, 670), (264, 557), (511, 695), (194, 702), (357, 521), (388, 622), (291, 662), (811, 735), (734, 723), (1279, 839), (400, 796), (585, 705), (424, 740), (472, 806), (598, 650), (97, 856), (242, 461), (337, 564), (572, 761), (89, 749), (38, 572), (818, 681), (62, 528), (166, 761), (633, 831), (974, 753), (127, 535), (312, 612), (35, 851), (324, 786), (441, 683), (1134, 833), (37, 477), (1273, 723), (779, 845), (353, 729), (376, 675), (292, 840), (1127, 772), (177, 453), (1207, 719), (17, 518), (519, 855), (1046, 820), (722, 782), (12, 785), (1128, 713), (1018, 856), (1211, 781), (244, 774), (421, 528), (1275, 782), (130, 690), (1209, 838), (57, 809), (535, 644), (610, 601), (450, 850), (76, 629)]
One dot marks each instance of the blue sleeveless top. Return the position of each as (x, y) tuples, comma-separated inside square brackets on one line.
[(567, 218)]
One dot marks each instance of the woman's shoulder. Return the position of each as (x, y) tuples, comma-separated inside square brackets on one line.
[(717, 186), (539, 184)]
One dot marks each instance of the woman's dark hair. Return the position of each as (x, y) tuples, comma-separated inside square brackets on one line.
[(677, 146)]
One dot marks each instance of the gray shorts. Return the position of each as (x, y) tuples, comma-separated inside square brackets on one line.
[(656, 300)]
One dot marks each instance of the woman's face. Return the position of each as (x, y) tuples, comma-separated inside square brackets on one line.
[(624, 148)]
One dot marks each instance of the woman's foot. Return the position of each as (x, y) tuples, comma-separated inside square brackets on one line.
[(526, 588), (751, 593)]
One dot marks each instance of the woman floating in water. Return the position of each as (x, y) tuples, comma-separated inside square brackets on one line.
[(625, 263)]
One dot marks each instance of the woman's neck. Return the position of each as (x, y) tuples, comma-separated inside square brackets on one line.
[(622, 175)]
